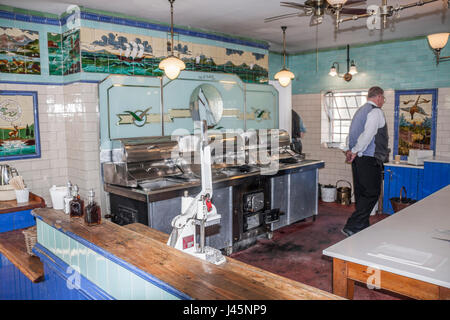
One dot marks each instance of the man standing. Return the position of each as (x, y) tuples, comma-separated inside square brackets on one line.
[(367, 151)]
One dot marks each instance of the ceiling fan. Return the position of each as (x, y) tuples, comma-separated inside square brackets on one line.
[(317, 8), (374, 14)]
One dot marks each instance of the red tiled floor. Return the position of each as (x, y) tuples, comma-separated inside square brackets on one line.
[(295, 251)]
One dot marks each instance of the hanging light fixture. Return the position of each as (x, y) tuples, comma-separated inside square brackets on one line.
[(437, 42), (351, 68), (284, 76), (172, 65), (337, 7)]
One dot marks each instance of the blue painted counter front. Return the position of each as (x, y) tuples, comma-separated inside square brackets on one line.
[(14, 285), (419, 181)]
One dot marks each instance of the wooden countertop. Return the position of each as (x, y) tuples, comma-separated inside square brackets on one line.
[(145, 248), (12, 246), (12, 205)]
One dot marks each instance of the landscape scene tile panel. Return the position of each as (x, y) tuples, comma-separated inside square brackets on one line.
[(122, 53), (19, 51), (54, 43), (64, 52)]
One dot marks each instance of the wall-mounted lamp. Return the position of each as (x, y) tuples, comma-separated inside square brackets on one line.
[(351, 68), (284, 76), (437, 42), (172, 65)]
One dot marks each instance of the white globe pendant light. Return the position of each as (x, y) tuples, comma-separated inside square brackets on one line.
[(284, 76), (172, 65)]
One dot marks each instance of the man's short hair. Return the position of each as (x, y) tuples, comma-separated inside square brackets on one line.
[(375, 91)]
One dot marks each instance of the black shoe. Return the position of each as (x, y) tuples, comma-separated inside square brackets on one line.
[(347, 232)]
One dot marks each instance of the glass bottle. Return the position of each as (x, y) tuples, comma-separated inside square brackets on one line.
[(76, 204), (68, 198), (92, 213)]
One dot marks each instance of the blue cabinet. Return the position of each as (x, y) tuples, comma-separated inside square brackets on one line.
[(419, 182), (437, 176), (396, 177)]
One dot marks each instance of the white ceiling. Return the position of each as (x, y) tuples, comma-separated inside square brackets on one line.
[(246, 18)]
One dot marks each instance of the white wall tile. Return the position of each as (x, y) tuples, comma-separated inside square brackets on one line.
[(309, 108)]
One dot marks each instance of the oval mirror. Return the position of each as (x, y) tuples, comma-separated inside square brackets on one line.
[(206, 104)]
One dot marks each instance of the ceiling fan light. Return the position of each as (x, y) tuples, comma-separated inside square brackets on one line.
[(438, 40), (353, 69), (284, 77), (333, 71), (172, 67), (336, 2)]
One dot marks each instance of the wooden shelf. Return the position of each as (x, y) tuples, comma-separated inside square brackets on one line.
[(12, 246), (12, 205)]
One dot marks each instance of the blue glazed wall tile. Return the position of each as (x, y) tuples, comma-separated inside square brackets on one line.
[(91, 266), (73, 252), (65, 254), (51, 239), (58, 244), (124, 283), (137, 288), (82, 259), (111, 279), (101, 277)]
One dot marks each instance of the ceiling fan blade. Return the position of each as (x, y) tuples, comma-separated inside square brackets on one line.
[(353, 2), (353, 11), (289, 15), (293, 5)]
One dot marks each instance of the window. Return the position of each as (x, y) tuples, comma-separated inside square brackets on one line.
[(339, 107)]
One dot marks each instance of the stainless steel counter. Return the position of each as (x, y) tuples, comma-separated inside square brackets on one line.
[(293, 189), (169, 187)]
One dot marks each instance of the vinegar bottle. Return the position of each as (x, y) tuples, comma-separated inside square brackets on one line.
[(92, 213), (76, 204), (68, 198)]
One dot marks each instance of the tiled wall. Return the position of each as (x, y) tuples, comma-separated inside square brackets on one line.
[(401, 64), (309, 107), (81, 119), (40, 174), (394, 65), (68, 114), (69, 132), (98, 44)]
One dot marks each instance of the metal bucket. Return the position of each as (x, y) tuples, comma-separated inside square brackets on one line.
[(328, 193), (344, 194)]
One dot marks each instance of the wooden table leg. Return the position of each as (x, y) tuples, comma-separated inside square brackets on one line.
[(444, 293), (342, 286)]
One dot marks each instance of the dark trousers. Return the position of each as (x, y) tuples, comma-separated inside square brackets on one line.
[(367, 188)]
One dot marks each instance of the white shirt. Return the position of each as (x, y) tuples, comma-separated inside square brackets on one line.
[(375, 120)]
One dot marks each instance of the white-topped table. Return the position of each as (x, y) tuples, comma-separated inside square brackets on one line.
[(400, 253)]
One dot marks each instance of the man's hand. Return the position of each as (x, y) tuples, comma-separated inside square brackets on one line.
[(349, 156)]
